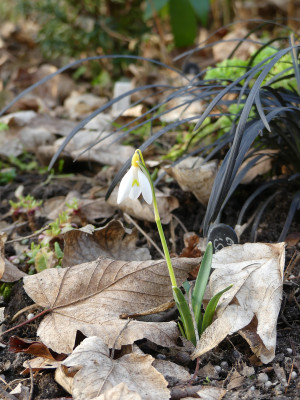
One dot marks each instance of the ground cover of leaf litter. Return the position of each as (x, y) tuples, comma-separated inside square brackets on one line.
[(147, 345)]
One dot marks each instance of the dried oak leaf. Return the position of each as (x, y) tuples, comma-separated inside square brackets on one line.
[(90, 297), (252, 305), (110, 241), (98, 372), (194, 176)]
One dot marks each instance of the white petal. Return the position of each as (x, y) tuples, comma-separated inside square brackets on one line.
[(125, 186), (135, 192), (145, 187)]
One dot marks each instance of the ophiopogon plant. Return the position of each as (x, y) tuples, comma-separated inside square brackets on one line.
[(266, 117)]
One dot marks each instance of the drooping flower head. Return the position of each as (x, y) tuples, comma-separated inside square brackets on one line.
[(135, 182)]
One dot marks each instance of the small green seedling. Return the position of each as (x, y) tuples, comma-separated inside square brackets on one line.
[(26, 206)]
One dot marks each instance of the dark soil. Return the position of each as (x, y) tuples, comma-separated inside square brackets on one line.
[(233, 354)]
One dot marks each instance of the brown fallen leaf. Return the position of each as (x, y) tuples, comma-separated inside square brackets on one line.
[(252, 305), (114, 154), (90, 297), (143, 211), (262, 166), (98, 372), (35, 348), (236, 380), (191, 243), (119, 392), (208, 371), (80, 105), (110, 241), (211, 393), (194, 176), (244, 51), (170, 369)]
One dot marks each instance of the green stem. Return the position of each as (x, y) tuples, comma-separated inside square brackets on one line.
[(158, 222)]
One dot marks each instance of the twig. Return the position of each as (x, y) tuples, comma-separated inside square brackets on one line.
[(180, 223), (32, 307), (6, 384), (196, 370), (290, 377), (46, 311), (29, 236), (143, 233)]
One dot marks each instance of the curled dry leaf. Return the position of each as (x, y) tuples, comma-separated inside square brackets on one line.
[(110, 241), (252, 305), (194, 176), (33, 347), (143, 211), (98, 372), (91, 296)]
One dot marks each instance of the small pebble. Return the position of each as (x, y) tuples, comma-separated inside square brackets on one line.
[(294, 375), (268, 384), (252, 388), (262, 378), (183, 358), (224, 364), (29, 316), (218, 368), (236, 354), (161, 357), (16, 261), (289, 350)]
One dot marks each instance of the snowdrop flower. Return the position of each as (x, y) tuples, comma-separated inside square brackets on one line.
[(134, 183)]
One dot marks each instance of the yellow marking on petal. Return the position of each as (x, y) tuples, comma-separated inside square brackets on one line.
[(135, 160), (135, 182)]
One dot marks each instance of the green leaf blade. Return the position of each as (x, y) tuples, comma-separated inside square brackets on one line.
[(185, 315), (183, 22), (202, 9), (201, 283), (211, 308)]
